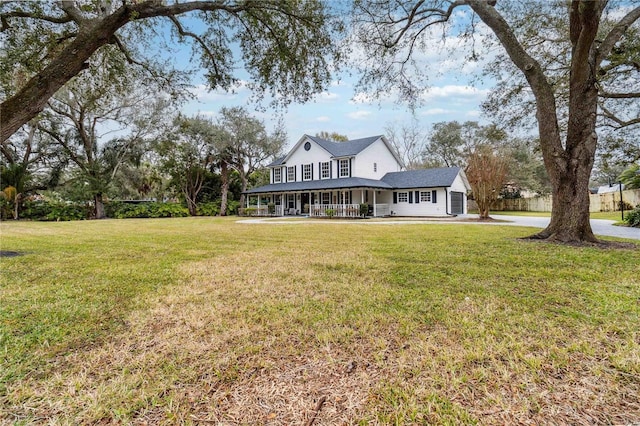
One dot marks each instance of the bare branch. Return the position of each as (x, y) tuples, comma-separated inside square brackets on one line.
[(618, 95), (620, 123), (616, 34), (72, 11)]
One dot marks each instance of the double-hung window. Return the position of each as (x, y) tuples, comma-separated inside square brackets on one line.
[(277, 175), (306, 172), (291, 174), (344, 167), (425, 197), (326, 198), (325, 170), (403, 197)]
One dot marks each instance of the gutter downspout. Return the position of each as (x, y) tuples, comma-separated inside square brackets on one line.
[(446, 200)]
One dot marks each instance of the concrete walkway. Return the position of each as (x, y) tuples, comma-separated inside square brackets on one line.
[(599, 226)]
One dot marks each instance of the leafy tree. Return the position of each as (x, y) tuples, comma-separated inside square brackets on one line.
[(409, 141), (87, 110), (285, 45), (333, 136), (526, 168), (631, 177), (250, 146), (187, 154), (486, 172), (576, 58)]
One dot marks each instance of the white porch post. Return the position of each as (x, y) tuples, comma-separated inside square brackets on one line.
[(361, 196), (374, 203)]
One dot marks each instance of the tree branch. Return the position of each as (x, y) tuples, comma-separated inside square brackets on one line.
[(620, 123), (609, 95), (616, 34)]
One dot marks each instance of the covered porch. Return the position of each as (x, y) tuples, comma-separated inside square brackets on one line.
[(346, 203)]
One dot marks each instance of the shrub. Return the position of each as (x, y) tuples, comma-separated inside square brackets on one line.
[(209, 209), (364, 209), (249, 211), (329, 213), (122, 210), (271, 208), (633, 217), (55, 210)]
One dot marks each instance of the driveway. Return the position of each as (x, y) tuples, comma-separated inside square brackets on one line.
[(599, 226)]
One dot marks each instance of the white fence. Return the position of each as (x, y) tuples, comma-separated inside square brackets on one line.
[(338, 210)]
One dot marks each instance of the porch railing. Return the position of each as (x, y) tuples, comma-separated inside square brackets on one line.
[(337, 210)]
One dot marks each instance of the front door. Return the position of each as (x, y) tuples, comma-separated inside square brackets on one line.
[(304, 200)]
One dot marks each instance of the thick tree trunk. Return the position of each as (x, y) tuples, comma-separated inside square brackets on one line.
[(98, 209)]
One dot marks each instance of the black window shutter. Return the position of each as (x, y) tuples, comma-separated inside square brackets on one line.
[(319, 170), (395, 197), (295, 173), (349, 167), (311, 165), (330, 169), (410, 197), (417, 197), (434, 199)]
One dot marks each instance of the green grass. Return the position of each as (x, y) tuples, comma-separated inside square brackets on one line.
[(208, 320)]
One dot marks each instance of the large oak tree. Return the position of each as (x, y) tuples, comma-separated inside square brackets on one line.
[(576, 57), (285, 45)]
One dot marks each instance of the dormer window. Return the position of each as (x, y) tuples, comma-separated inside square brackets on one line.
[(277, 175), (343, 166)]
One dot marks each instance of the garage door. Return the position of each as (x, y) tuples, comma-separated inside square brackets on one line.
[(457, 203)]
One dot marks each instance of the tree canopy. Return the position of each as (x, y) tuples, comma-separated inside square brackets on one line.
[(576, 59), (286, 46)]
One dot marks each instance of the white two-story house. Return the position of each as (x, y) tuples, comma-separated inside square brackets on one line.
[(323, 178)]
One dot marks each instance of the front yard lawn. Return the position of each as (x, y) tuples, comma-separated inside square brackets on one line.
[(209, 321)]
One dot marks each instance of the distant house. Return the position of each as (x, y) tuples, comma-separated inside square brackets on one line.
[(320, 178), (610, 188)]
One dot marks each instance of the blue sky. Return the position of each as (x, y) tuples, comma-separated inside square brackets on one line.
[(454, 93)]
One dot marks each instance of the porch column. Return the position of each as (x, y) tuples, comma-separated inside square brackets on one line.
[(361, 196), (374, 203)]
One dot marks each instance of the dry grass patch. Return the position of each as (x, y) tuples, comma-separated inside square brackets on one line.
[(411, 324)]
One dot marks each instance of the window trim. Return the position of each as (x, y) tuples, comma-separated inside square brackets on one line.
[(347, 162), (403, 197), (325, 173), (425, 196), (291, 171), (277, 175), (307, 173)]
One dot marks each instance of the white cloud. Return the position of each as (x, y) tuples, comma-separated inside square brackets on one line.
[(435, 111), (327, 96), (474, 114), (204, 94), (323, 119), (362, 98), (359, 115), (454, 92)]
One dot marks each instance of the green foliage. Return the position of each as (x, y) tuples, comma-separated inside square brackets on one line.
[(633, 217), (55, 210), (631, 177), (121, 210), (330, 213), (271, 208), (248, 211), (209, 209), (364, 209)]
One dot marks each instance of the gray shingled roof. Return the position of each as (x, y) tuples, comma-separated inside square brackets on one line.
[(277, 161), (319, 185), (344, 149), (427, 178)]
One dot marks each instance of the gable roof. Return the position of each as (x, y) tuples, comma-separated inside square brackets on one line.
[(339, 149), (344, 149), (426, 178)]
